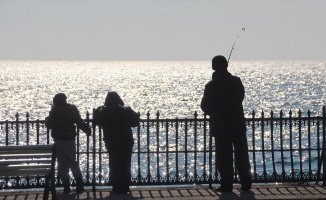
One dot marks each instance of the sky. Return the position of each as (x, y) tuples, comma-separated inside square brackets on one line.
[(162, 30)]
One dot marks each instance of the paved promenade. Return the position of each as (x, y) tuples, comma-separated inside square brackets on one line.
[(288, 191)]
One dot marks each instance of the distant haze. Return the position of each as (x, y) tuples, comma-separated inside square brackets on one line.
[(162, 29)]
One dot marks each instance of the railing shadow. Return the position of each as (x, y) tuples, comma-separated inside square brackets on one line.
[(291, 191), (90, 195)]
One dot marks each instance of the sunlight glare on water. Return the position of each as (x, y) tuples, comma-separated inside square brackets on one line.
[(173, 88)]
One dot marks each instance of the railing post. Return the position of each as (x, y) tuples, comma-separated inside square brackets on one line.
[(87, 152), (210, 177), (254, 144), (37, 131), (300, 145), (78, 151), (282, 148), (47, 135), (17, 128), (324, 146), (7, 133), (205, 152), (167, 151), (158, 175), (139, 177), (27, 128), (291, 144), (100, 173), (263, 143), (87, 155), (186, 175), (148, 151), (177, 150), (195, 150), (272, 146), (309, 145)]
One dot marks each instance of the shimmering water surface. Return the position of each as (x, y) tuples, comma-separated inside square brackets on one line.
[(172, 88)]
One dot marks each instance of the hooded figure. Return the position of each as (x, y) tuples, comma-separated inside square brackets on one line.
[(116, 121), (62, 120), (222, 101)]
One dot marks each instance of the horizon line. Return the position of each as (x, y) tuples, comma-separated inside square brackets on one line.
[(72, 60)]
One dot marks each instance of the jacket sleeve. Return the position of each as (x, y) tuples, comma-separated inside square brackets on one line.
[(206, 104), (97, 118), (50, 120), (81, 124), (134, 118)]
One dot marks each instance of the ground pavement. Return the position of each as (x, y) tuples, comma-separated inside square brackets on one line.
[(282, 191)]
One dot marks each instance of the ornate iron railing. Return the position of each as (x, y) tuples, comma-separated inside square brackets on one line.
[(286, 148)]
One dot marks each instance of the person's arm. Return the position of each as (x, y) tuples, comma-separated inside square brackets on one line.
[(134, 118), (206, 104), (81, 124), (97, 115), (50, 120)]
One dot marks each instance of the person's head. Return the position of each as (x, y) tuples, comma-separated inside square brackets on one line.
[(60, 99), (113, 99), (219, 63)]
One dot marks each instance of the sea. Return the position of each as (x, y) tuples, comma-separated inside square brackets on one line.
[(173, 89)]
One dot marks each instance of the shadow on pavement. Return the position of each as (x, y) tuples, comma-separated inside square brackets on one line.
[(289, 191)]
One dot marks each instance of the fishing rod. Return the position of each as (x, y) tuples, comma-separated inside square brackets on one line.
[(243, 29)]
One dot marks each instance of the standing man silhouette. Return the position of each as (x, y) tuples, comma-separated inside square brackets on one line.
[(62, 121), (222, 101)]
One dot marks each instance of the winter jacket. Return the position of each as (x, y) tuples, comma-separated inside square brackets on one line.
[(222, 100), (116, 122), (63, 119)]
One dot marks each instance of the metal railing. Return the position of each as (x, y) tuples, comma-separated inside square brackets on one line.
[(285, 148)]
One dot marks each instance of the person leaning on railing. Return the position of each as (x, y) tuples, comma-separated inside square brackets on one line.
[(116, 121), (222, 100), (62, 120)]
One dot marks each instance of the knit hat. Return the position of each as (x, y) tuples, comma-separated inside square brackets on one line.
[(60, 99), (219, 63)]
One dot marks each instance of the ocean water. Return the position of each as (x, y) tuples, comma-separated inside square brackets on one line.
[(174, 89)]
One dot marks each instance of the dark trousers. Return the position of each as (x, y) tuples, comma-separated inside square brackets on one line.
[(224, 144), (66, 156), (119, 164)]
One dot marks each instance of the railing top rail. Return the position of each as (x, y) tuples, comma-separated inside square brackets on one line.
[(186, 119)]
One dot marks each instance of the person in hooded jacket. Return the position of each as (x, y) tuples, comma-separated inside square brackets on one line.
[(222, 101), (116, 121), (62, 121)]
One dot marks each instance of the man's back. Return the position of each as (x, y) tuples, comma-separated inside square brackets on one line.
[(223, 97)]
